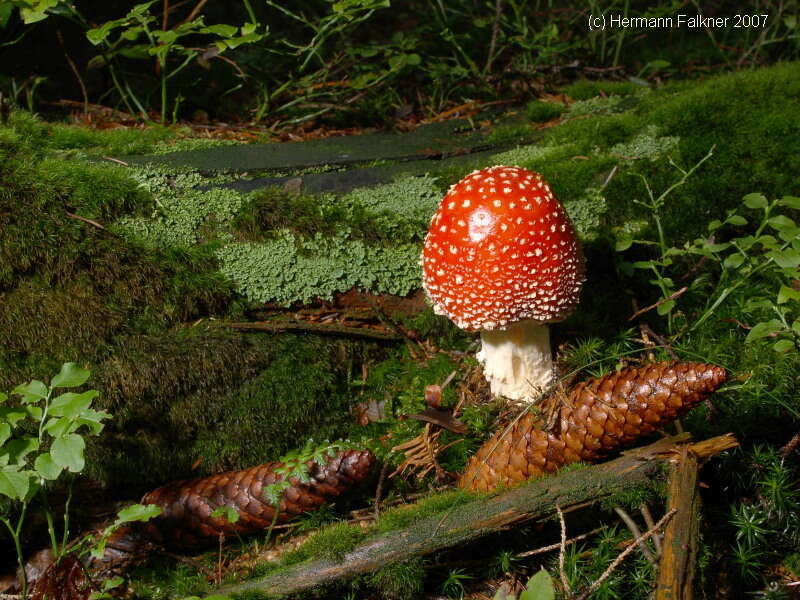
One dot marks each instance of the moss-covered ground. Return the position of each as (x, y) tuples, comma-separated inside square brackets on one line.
[(126, 269)]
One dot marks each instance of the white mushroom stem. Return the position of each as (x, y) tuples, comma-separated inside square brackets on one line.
[(517, 361)]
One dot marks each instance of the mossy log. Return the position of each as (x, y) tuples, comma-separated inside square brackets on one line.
[(484, 515), (676, 569)]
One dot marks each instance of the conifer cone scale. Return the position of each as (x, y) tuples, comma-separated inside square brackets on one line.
[(186, 506), (596, 417)]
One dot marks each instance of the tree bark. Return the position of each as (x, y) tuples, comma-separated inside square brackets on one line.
[(676, 570), (484, 515)]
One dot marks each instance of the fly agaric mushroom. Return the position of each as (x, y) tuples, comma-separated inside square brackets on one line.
[(501, 256)]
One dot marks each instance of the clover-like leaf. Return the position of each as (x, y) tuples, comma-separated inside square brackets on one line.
[(137, 512), (762, 330), (14, 484), (32, 391), (71, 404), (755, 201), (71, 375), (67, 451), (46, 467), (540, 587)]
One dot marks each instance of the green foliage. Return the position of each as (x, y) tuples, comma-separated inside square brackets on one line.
[(453, 585), (295, 467), (42, 437), (139, 37), (767, 523), (770, 253)]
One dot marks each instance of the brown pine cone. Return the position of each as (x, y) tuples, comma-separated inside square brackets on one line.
[(596, 417), (186, 506)]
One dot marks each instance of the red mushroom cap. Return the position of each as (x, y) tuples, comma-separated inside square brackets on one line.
[(501, 249)]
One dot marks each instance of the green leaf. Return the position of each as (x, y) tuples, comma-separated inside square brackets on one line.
[(67, 451), (228, 513), (786, 259), (60, 426), (226, 31), (714, 225), (734, 261), (71, 375), (5, 432), (624, 241), (33, 391), (785, 294), (98, 35), (783, 346), (137, 512), (736, 220), (781, 222), (762, 330), (790, 201), (47, 467), (71, 404), (13, 484), (12, 415), (19, 448), (540, 587), (755, 201), (665, 308)]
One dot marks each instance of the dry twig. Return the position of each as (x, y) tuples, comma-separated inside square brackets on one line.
[(562, 547), (634, 528)]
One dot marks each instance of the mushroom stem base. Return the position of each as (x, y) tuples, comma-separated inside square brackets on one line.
[(517, 361)]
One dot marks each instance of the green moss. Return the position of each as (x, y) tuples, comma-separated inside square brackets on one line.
[(114, 142), (177, 397), (334, 541), (164, 581), (399, 581), (585, 89), (539, 111), (404, 516)]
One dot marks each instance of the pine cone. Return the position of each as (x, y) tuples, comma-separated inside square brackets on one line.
[(186, 506), (597, 416)]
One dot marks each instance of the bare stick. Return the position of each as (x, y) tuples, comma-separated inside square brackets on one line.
[(498, 13), (672, 296), (624, 554), (85, 220), (562, 547), (75, 72), (631, 524), (790, 446), (557, 545), (378, 490), (648, 519)]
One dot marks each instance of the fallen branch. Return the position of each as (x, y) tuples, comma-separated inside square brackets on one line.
[(676, 570), (486, 514)]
